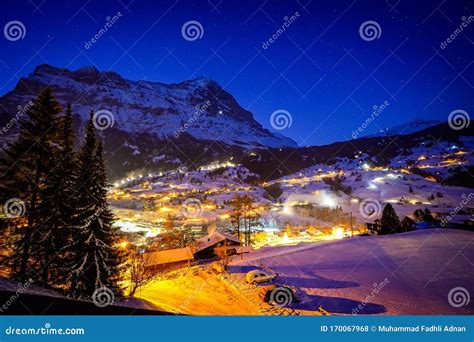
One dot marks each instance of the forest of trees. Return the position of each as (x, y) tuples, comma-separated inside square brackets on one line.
[(64, 239)]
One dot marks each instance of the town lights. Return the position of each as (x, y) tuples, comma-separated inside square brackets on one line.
[(338, 232)]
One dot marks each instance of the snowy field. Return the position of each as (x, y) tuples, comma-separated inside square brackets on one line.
[(409, 273), (418, 269)]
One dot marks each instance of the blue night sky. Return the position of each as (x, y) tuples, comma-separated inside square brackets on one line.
[(320, 69)]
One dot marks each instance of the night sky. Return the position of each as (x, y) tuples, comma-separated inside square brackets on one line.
[(320, 69)]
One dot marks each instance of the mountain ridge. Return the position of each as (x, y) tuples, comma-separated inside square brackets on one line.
[(159, 108), (139, 148), (406, 128)]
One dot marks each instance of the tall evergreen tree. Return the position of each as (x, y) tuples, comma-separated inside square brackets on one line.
[(57, 209), (95, 254), (390, 222), (25, 165)]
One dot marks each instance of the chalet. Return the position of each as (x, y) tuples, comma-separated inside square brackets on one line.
[(411, 222), (168, 259), (206, 247), (374, 228), (463, 222)]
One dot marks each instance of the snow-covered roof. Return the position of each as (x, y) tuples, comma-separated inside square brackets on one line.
[(413, 218), (244, 249), (168, 256), (214, 238)]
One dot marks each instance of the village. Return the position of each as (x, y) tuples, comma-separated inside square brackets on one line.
[(203, 223)]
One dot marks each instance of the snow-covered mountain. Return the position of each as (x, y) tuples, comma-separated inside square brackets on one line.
[(160, 127), (406, 128), (197, 107)]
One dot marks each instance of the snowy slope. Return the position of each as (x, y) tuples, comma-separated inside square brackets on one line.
[(404, 274), (406, 128), (417, 270)]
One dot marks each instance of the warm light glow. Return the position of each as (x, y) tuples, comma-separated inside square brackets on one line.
[(338, 232), (378, 179), (123, 244)]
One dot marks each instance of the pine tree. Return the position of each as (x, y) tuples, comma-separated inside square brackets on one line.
[(56, 209), (25, 165), (95, 256), (390, 222)]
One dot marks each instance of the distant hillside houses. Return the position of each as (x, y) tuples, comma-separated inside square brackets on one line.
[(463, 220)]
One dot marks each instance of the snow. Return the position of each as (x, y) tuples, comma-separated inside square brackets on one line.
[(27, 287), (214, 238), (403, 274), (158, 108), (419, 269), (168, 256), (199, 291), (406, 128)]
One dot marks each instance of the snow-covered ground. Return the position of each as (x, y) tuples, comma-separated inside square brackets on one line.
[(410, 273), (404, 274), (199, 291)]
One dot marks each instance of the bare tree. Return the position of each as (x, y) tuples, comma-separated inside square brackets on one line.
[(223, 254), (140, 275), (244, 215)]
